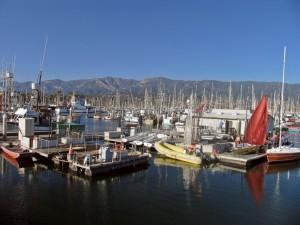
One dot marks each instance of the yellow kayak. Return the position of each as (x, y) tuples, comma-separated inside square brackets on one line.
[(176, 152)]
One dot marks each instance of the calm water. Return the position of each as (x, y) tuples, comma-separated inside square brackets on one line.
[(167, 192)]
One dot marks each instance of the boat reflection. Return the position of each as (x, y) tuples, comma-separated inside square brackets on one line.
[(255, 180), (189, 171), (255, 177), (282, 167), (112, 176)]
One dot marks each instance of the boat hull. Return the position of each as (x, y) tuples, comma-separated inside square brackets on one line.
[(167, 150), (283, 157), (16, 154), (103, 168)]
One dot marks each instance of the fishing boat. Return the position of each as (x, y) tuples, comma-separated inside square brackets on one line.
[(61, 111), (16, 152), (107, 117), (130, 118), (97, 115), (77, 109), (108, 160), (288, 152), (178, 152)]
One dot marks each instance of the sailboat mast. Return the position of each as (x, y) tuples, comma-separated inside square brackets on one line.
[(282, 91)]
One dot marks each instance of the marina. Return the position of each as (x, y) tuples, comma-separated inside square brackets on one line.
[(189, 170), (149, 112)]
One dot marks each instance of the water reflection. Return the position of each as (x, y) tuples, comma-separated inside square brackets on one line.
[(283, 172), (173, 191), (189, 172), (256, 177), (282, 167), (255, 180)]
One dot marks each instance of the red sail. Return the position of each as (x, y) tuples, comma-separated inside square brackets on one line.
[(257, 127)]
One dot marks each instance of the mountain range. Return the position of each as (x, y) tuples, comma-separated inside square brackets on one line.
[(110, 85)]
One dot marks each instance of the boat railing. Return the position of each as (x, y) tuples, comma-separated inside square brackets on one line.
[(85, 159), (47, 145)]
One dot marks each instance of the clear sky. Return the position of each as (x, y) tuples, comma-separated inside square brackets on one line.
[(179, 39)]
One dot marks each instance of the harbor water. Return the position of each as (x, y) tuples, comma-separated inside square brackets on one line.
[(165, 192)]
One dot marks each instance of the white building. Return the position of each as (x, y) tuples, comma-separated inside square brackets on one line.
[(228, 120)]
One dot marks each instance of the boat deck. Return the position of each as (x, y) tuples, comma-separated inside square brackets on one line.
[(51, 152), (241, 160)]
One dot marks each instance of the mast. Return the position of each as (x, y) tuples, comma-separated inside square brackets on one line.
[(282, 92), (229, 96), (253, 103), (211, 95), (241, 97)]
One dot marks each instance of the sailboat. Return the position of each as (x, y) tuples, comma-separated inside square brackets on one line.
[(255, 134), (288, 152)]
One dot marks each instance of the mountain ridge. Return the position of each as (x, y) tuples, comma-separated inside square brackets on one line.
[(110, 85)]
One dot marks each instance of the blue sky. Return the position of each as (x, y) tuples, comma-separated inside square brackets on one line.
[(180, 39)]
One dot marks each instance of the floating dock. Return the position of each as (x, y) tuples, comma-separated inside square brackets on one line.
[(241, 160)]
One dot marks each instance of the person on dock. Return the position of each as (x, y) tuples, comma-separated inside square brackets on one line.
[(70, 153), (199, 151), (237, 141), (275, 140), (269, 140)]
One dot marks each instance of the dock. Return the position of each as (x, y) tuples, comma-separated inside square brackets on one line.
[(244, 161)]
